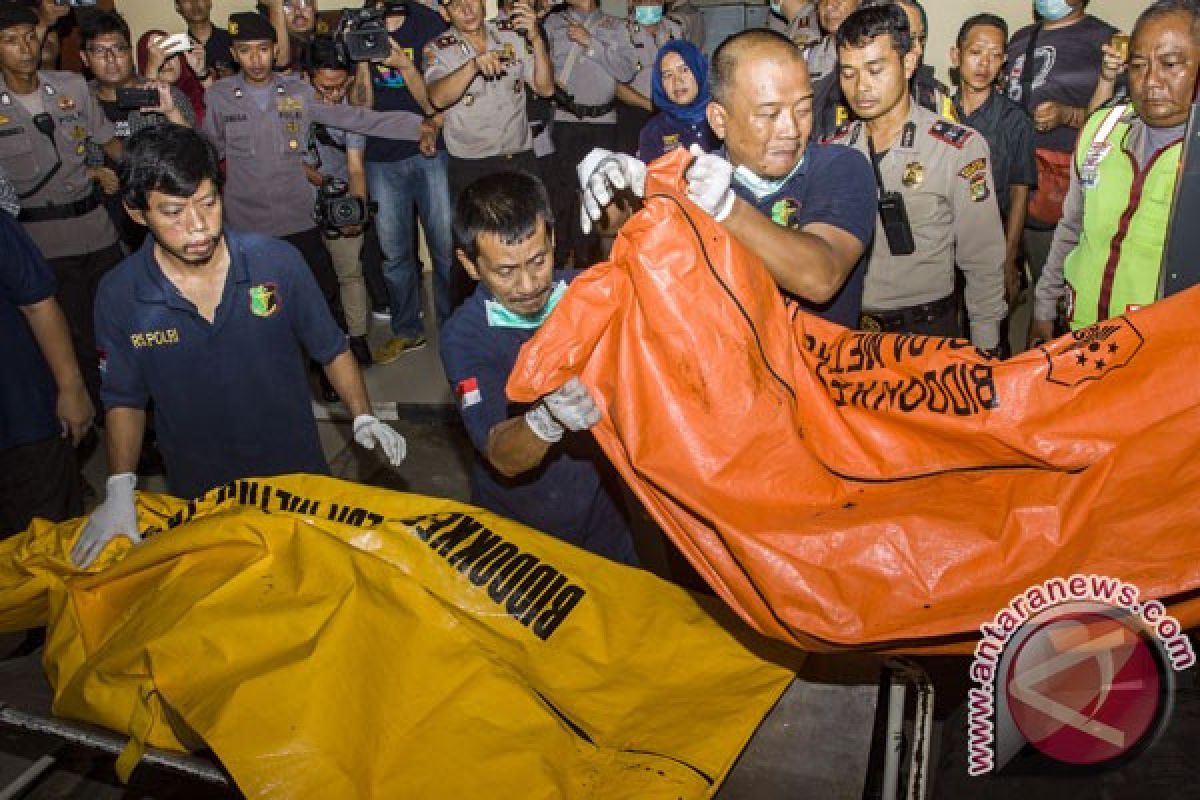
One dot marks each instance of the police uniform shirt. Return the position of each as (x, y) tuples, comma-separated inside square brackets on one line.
[(590, 74), (645, 43), (28, 392), (266, 189), (1009, 134), (490, 118), (833, 185), (566, 496), (822, 58), (231, 397), (27, 155), (691, 20), (942, 170)]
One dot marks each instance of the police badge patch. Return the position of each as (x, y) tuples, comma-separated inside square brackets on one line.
[(264, 300), (976, 174)]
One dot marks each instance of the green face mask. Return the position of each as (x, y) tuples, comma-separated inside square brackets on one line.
[(500, 317)]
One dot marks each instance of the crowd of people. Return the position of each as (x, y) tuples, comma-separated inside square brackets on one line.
[(162, 261)]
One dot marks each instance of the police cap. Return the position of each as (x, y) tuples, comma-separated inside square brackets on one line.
[(250, 26), (13, 14)]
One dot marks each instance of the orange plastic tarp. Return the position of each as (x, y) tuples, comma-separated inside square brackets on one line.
[(840, 488)]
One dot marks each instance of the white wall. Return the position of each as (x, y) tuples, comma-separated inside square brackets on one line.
[(945, 16)]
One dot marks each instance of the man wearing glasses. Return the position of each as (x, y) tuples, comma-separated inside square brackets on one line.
[(46, 120)]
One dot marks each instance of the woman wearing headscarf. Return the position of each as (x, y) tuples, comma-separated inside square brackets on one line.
[(177, 70), (680, 93)]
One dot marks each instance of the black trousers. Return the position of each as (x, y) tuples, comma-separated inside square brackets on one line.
[(38, 480), (939, 318), (78, 278), (311, 245), (573, 141), (630, 121)]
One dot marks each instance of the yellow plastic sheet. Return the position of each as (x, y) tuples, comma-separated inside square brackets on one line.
[(328, 640)]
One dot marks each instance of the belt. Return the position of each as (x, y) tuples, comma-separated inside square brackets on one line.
[(899, 320), (592, 111), (63, 211)]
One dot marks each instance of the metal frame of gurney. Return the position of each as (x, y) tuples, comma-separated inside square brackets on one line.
[(881, 748)]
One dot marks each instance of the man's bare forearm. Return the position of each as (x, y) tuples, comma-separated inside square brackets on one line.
[(513, 448), (123, 432)]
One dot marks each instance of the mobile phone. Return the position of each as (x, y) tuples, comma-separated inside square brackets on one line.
[(894, 215), (177, 43), (131, 99), (76, 3)]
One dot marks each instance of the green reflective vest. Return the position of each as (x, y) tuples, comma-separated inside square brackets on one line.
[(1115, 267)]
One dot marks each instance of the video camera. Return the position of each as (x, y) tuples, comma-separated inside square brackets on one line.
[(336, 208), (361, 34)]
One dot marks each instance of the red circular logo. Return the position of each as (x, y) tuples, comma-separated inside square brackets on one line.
[(1085, 687)]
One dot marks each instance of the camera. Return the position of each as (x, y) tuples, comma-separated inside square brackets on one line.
[(76, 3), (131, 99), (361, 34), (336, 208)]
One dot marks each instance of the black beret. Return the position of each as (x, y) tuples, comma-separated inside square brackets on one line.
[(13, 14), (250, 26)]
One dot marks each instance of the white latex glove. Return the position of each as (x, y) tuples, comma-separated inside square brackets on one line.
[(369, 431), (569, 408), (116, 516), (603, 173), (709, 180)]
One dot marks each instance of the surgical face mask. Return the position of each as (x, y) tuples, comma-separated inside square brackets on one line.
[(647, 15), (1053, 10), (777, 7), (500, 317), (762, 187)]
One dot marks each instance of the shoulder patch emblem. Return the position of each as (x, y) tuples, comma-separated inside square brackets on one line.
[(975, 174), (951, 134), (446, 40), (468, 392)]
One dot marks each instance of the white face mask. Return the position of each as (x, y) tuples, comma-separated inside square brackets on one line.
[(762, 187)]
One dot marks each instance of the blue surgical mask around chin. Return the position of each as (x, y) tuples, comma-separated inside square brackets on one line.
[(1053, 10), (762, 187), (500, 317), (647, 15)]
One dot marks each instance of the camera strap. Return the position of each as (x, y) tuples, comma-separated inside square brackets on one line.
[(45, 125), (875, 166)]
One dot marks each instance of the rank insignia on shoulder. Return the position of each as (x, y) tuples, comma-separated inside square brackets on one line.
[(950, 133), (446, 40)]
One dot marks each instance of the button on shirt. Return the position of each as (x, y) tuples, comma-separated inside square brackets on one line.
[(266, 189), (231, 397), (1009, 134), (942, 171), (590, 74), (490, 118), (566, 496), (27, 155), (27, 390), (833, 185)]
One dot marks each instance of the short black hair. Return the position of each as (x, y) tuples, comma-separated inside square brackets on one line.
[(990, 20), (725, 57), (323, 53), (507, 205), (167, 158), (869, 23), (102, 23), (1162, 8)]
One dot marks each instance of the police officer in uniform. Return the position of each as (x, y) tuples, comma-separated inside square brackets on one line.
[(46, 121), (591, 54), (648, 29), (260, 121), (477, 73), (938, 173)]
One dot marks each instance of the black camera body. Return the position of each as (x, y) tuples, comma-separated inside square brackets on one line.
[(361, 35), (131, 98), (336, 208)]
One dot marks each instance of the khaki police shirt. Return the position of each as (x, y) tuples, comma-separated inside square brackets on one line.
[(590, 74), (266, 188), (27, 155), (645, 43), (942, 171), (822, 58), (490, 118), (803, 28), (691, 19)]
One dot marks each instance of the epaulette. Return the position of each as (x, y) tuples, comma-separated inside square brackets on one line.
[(505, 24), (840, 132), (951, 134), (446, 40)]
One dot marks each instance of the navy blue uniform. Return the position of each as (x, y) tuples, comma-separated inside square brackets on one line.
[(572, 494), (231, 397), (833, 185), (664, 133)]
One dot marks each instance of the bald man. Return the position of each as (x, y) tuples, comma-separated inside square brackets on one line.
[(807, 209)]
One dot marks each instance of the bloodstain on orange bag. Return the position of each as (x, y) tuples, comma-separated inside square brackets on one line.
[(848, 489)]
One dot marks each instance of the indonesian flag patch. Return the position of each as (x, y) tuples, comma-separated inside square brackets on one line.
[(468, 392)]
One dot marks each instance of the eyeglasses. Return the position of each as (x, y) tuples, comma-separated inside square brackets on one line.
[(114, 52)]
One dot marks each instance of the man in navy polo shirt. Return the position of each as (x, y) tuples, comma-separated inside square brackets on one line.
[(806, 209), (44, 406), (214, 326), (527, 466)]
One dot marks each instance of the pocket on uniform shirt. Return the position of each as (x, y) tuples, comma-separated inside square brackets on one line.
[(16, 154), (239, 140)]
